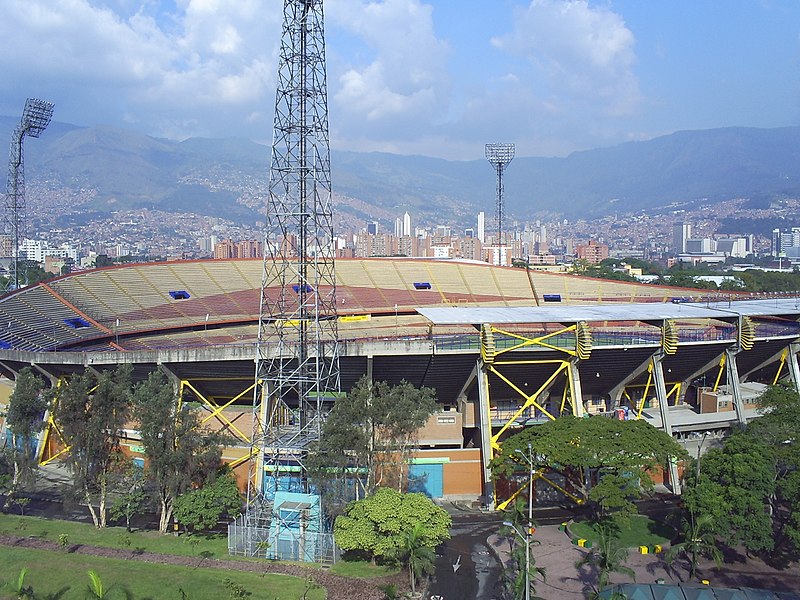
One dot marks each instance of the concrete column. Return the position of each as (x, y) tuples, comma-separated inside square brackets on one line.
[(487, 453), (732, 373), (663, 407), (794, 369), (575, 380)]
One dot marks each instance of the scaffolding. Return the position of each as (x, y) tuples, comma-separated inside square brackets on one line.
[(297, 361)]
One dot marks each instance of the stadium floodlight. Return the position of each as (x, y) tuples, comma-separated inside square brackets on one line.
[(499, 156), (36, 116), (35, 119)]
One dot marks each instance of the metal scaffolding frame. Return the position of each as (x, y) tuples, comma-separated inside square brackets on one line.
[(297, 361)]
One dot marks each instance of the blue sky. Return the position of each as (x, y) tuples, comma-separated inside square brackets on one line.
[(435, 77)]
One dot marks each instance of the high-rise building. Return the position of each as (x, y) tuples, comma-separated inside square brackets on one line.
[(592, 252), (406, 224), (482, 227), (372, 228), (680, 233), (398, 227)]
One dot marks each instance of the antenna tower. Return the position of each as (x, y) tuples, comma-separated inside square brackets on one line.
[(499, 156), (297, 364), (35, 119)]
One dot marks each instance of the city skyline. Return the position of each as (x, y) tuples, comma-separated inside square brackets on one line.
[(439, 78)]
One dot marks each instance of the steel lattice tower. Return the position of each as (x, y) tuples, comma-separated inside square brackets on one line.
[(35, 119), (297, 366), (499, 156)]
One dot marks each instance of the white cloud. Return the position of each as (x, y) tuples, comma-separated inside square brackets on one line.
[(397, 79), (201, 69), (583, 55)]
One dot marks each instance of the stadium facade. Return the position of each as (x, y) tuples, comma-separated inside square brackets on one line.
[(504, 348)]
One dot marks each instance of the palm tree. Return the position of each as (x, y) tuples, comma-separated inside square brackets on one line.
[(416, 554), (698, 540), (608, 556)]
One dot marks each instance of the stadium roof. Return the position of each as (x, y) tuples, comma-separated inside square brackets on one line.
[(470, 315)]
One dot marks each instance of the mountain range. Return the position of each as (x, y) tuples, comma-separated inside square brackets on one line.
[(228, 177)]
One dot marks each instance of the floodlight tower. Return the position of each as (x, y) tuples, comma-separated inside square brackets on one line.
[(297, 364), (35, 119), (499, 156)]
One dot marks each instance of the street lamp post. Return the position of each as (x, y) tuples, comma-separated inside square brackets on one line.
[(529, 459)]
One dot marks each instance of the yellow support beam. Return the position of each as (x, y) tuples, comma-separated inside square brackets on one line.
[(646, 389), (781, 363), (538, 341), (723, 359), (51, 427), (221, 418), (530, 400)]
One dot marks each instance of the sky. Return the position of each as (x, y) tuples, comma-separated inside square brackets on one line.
[(431, 77)]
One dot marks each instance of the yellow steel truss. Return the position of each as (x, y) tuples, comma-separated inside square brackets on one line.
[(490, 353), (215, 408), (536, 476), (50, 428)]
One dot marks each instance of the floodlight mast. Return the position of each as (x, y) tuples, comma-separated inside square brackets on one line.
[(499, 156), (35, 119)]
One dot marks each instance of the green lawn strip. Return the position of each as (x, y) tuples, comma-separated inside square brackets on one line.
[(54, 573), (643, 531), (211, 546)]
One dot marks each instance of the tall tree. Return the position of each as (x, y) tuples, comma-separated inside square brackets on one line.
[(621, 453), (25, 419), (371, 431), (698, 540), (734, 487), (179, 452), (92, 410)]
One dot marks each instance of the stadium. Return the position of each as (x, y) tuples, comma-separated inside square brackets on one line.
[(504, 348)]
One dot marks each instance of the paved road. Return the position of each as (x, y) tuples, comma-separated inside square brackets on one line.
[(465, 567)]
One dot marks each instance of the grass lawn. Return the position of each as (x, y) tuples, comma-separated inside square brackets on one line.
[(213, 545), (62, 576), (643, 531)]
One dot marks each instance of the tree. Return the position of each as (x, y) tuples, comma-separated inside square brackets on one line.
[(734, 487), (92, 410), (373, 431), (514, 573), (620, 453), (607, 556), (202, 508), (131, 497), (376, 525), (698, 540), (179, 452), (416, 554), (25, 419)]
